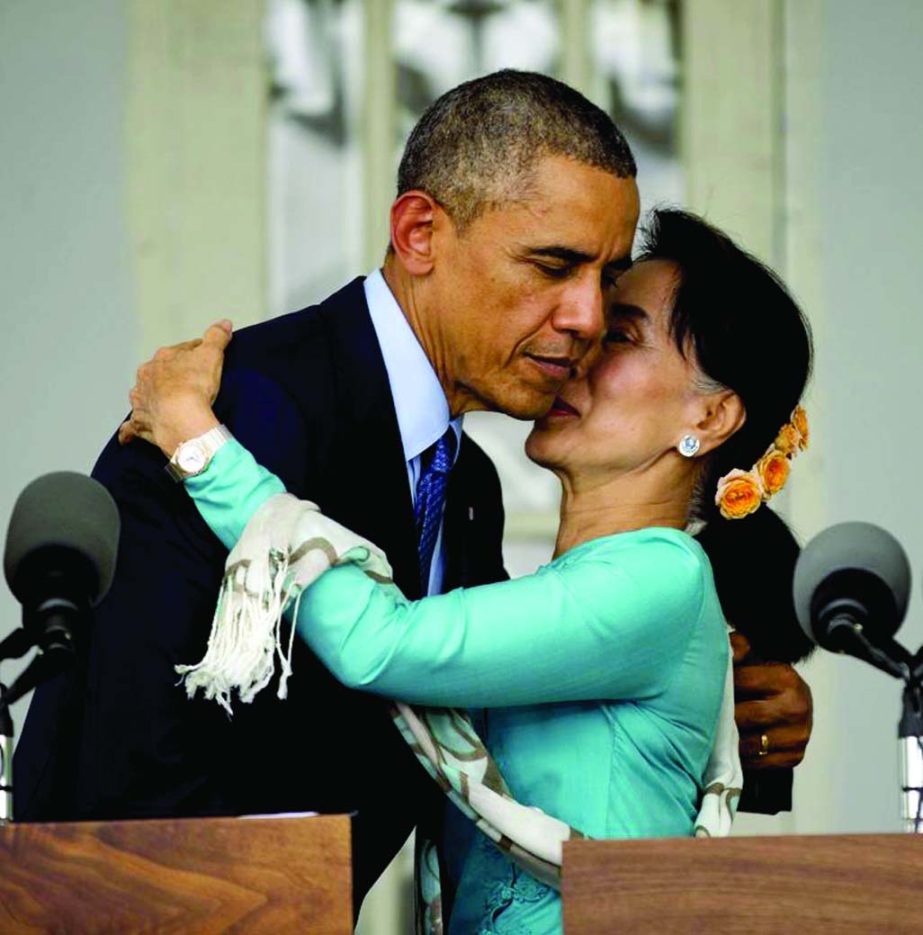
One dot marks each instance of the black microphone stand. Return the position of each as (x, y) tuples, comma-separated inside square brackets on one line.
[(910, 740), (910, 743), (6, 756), (891, 657), (17, 644), (47, 663)]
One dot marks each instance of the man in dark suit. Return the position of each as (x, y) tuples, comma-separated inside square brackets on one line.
[(516, 209)]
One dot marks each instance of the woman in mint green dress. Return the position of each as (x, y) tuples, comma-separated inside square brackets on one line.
[(601, 675)]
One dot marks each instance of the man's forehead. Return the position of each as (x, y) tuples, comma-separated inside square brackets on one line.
[(593, 213), (557, 178)]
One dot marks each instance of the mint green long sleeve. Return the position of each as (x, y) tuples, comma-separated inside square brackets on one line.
[(604, 621)]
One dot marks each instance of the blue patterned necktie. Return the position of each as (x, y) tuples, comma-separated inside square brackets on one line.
[(435, 465)]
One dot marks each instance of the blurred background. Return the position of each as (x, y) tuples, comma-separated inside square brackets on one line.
[(168, 162)]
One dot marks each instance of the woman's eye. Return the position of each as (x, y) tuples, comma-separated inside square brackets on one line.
[(616, 336)]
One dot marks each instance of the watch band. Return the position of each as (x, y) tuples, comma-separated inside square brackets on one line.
[(192, 457)]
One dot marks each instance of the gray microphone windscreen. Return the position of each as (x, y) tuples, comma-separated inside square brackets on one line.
[(64, 510), (850, 546)]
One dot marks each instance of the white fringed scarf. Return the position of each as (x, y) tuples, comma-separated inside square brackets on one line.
[(286, 546)]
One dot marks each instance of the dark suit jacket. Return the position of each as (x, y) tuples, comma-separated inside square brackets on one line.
[(308, 394)]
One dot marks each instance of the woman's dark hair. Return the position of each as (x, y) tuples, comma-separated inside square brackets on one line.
[(748, 335), (753, 561)]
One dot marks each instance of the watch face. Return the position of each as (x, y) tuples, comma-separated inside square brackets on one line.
[(191, 458)]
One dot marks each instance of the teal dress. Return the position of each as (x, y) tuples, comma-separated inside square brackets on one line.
[(598, 680)]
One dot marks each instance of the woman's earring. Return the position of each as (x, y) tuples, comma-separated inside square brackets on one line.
[(688, 446)]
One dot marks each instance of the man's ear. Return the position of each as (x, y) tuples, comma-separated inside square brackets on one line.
[(412, 218), (720, 416)]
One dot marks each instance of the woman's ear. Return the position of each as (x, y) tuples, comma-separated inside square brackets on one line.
[(720, 416), (412, 216)]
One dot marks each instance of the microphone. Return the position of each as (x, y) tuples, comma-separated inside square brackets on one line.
[(851, 588), (59, 561)]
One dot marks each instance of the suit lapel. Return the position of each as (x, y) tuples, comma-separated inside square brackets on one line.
[(370, 493), (454, 533), (473, 521), (459, 519), (365, 476)]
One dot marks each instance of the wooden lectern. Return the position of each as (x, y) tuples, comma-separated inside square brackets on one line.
[(831, 884), (273, 875)]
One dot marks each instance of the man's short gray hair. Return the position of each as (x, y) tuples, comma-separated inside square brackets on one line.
[(474, 147)]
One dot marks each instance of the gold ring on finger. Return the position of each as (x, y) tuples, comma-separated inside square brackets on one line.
[(764, 745)]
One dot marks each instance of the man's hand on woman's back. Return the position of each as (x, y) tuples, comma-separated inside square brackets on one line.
[(774, 710)]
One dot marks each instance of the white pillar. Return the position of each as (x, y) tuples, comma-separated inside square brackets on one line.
[(576, 68), (733, 68), (195, 128), (377, 134)]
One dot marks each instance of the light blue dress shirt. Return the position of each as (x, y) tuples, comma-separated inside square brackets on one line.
[(419, 400)]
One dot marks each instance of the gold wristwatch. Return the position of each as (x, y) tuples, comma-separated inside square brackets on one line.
[(193, 456)]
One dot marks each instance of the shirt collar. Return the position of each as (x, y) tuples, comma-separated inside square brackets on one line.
[(419, 400)]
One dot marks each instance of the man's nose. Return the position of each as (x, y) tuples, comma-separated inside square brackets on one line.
[(581, 312)]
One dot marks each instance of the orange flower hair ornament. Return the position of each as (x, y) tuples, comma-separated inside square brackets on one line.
[(741, 493)]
